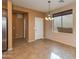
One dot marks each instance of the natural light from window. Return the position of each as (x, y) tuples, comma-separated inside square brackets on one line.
[(54, 56)]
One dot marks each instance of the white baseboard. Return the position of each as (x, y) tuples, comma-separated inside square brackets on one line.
[(31, 40), (35, 40), (62, 42), (10, 49)]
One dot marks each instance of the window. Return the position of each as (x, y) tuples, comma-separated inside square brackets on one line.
[(67, 21), (63, 22), (57, 23)]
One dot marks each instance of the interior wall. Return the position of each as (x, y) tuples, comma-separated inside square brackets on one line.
[(65, 38), (4, 6), (4, 12), (31, 19), (8, 6)]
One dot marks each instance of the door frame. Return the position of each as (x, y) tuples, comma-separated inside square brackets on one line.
[(25, 15)]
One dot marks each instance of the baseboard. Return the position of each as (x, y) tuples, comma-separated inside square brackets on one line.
[(19, 37), (35, 40), (61, 42), (10, 49), (31, 41)]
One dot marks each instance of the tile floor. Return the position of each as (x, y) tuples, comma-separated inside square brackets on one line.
[(41, 49)]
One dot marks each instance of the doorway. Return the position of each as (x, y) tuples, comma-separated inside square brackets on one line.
[(20, 28), (39, 27)]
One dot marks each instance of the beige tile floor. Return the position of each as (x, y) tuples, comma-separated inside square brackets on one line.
[(41, 49)]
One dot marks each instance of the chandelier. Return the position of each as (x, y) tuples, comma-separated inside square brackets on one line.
[(49, 17)]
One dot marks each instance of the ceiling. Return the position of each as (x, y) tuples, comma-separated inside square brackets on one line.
[(41, 5)]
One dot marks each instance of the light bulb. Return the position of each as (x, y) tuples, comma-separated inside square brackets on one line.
[(46, 18), (52, 18), (49, 18)]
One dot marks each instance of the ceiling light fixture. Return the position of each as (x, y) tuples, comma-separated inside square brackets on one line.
[(49, 16)]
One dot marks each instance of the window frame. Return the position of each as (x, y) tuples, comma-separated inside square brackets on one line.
[(67, 12)]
